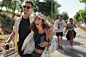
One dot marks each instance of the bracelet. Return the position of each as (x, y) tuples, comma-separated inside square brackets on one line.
[(6, 42)]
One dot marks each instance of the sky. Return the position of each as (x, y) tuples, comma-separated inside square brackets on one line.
[(69, 6)]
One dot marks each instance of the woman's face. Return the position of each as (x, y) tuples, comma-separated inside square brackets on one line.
[(38, 22), (71, 20)]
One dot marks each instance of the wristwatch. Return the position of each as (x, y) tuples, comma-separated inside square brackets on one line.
[(6, 42)]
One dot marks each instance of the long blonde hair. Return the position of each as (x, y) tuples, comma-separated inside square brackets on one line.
[(69, 20)]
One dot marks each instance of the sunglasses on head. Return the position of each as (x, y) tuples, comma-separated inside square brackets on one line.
[(28, 7)]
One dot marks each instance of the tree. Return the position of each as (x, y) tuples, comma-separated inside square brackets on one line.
[(65, 15), (83, 1), (79, 16), (84, 15), (56, 12), (45, 8), (15, 5), (1, 5), (76, 16)]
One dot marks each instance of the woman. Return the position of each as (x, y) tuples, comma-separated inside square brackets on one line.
[(44, 42), (71, 32)]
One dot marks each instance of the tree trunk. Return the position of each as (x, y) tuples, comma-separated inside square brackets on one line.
[(85, 20)]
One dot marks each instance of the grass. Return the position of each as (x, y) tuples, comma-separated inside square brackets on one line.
[(82, 28)]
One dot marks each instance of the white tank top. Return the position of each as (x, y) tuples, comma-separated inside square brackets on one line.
[(72, 28)]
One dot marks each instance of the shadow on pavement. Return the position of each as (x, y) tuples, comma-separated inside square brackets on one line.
[(79, 36), (73, 53), (66, 43)]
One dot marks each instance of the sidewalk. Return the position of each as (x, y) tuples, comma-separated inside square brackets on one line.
[(79, 48)]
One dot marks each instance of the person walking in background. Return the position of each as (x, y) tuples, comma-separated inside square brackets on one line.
[(71, 32), (58, 25)]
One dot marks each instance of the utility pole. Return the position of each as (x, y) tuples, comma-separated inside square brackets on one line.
[(51, 11)]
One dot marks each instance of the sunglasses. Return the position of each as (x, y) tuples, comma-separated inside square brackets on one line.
[(71, 19), (28, 7)]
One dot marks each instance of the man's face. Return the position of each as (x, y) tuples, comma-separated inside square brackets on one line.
[(60, 18), (27, 10)]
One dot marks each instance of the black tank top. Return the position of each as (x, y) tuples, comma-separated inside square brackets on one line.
[(38, 38)]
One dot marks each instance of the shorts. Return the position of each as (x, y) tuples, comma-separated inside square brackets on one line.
[(35, 54), (59, 33), (71, 31)]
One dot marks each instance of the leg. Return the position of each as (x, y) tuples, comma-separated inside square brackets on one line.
[(58, 43), (72, 39), (58, 40), (61, 40), (57, 34)]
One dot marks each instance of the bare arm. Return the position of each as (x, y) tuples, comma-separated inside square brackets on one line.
[(75, 26), (49, 37), (66, 28), (55, 25), (13, 33), (11, 36)]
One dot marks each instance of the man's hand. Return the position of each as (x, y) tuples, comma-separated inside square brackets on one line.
[(65, 31), (6, 46)]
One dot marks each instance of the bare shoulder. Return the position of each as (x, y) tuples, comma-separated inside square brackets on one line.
[(49, 36)]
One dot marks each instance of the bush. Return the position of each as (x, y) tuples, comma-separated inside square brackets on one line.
[(17, 14), (5, 22)]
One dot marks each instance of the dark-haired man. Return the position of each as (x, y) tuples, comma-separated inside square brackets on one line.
[(20, 28)]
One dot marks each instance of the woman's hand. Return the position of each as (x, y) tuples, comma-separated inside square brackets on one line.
[(43, 44)]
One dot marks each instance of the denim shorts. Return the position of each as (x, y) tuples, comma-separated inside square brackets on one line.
[(35, 54)]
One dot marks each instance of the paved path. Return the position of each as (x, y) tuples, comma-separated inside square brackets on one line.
[(79, 46)]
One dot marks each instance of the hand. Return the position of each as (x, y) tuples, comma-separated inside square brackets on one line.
[(43, 44), (71, 25), (55, 29), (64, 31), (7, 46)]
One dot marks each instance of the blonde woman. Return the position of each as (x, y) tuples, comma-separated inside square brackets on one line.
[(71, 32)]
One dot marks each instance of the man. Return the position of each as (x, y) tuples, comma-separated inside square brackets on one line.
[(59, 29), (21, 28)]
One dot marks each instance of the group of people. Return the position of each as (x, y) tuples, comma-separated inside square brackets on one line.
[(33, 37), (59, 27)]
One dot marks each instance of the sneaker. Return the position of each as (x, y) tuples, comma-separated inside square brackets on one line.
[(61, 47), (58, 46), (71, 47)]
